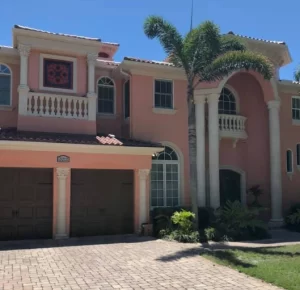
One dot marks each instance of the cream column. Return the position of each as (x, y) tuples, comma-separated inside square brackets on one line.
[(213, 139), (275, 161), (200, 139), (61, 214), (143, 176), (91, 61), (23, 88)]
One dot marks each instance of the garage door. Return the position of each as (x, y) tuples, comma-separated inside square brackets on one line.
[(25, 203), (101, 202)]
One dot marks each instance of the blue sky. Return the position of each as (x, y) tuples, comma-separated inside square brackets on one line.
[(122, 21)]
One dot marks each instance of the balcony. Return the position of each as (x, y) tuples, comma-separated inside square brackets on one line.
[(59, 106), (233, 127)]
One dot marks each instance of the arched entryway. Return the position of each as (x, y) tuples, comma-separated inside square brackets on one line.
[(232, 185)]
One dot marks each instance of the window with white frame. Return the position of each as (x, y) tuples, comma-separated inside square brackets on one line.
[(296, 108), (298, 154), (5, 85), (165, 179), (227, 102), (106, 96), (163, 94), (289, 161)]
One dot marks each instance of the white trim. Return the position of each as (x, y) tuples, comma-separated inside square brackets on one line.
[(8, 107), (78, 148), (243, 185), (115, 93), (57, 57), (173, 94)]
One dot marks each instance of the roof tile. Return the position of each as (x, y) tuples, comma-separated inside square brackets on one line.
[(258, 39), (149, 61)]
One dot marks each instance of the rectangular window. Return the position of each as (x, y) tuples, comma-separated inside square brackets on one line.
[(127, 100), (296, 108), (5, 90), (298, 154), (163, 94), (289, 161), (106, 100), (58, 74)]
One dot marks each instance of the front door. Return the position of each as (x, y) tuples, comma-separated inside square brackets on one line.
[(230, 186)]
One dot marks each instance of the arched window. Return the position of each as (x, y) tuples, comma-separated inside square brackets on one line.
[(227, 102), (165, 179), (289, 161), (106, 96), (5, 85)]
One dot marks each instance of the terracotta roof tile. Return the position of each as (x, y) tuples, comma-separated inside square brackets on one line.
[(258, 39), (60, 34), (109, 62), (12, 134), (111, 43), (149, 61)]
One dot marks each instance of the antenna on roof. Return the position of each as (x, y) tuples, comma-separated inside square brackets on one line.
[(192, 13)]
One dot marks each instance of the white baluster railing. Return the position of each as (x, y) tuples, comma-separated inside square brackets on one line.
[(61, 106), (232, 126)]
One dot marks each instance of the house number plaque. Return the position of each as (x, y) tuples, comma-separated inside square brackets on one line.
[(63, 159)]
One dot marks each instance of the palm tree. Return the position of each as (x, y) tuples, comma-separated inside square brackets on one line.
[(297, 74), (205, 55)]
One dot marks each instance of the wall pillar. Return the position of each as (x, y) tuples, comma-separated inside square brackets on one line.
[(61, 202), (92, 110), (275, 161), (200, 139), (23, 89), (213, 138), (143, 204)]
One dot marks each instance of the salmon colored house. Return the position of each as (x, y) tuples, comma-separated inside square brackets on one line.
[(89, 145)]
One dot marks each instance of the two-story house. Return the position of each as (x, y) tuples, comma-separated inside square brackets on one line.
[(81, 132)]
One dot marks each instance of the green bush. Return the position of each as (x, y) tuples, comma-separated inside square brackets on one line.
[(292, 219), (205, 217), (181, 228), (237, 222)]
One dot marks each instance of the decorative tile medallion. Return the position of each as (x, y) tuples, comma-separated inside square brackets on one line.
[(58, 74)]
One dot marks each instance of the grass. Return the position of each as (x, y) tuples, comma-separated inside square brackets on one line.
[(279, 266)]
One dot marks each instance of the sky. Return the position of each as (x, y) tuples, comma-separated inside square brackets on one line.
[(122, 21)]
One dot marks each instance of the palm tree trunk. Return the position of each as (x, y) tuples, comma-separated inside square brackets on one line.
[(192, 150)]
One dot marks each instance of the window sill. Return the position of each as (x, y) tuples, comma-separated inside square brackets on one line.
[(106, 116), (296, 122), (6, 108), (164, 111)]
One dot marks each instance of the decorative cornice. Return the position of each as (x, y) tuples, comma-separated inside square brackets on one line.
[(62, 173), (24, 49), (274, 104), (91, 58), (143, 173), (213, 98)]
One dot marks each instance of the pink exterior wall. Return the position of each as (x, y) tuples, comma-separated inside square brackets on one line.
[(290, 137), (146, 125), (8, 118), (251, 155)]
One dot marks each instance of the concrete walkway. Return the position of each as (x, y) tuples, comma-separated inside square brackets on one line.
[(125, 262)]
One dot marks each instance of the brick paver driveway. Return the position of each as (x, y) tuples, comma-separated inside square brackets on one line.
[(114, 263)]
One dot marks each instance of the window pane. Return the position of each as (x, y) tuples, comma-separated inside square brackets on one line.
[(298, 154), (4, 90), (289, 161), (163, 94)]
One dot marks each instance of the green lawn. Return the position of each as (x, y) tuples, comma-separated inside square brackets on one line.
[(279, 266)]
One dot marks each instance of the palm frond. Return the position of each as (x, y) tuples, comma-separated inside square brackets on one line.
[(231, 43), (297, 74), (169, 37), (232, 61)]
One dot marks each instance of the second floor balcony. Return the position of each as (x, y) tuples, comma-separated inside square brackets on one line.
[(57, 105), (232, 126)]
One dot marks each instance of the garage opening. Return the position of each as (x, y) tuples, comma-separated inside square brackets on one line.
[(26, 203), (101, 202)]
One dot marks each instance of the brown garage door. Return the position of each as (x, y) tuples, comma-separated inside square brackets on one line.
[(101, 202), (25, 203)]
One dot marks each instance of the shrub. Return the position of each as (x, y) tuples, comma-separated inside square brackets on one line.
[(184, 220), (292, 219), (205, 217), (236, 222)]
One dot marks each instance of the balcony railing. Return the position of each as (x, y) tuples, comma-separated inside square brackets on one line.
[(60, 106), (232, 126)]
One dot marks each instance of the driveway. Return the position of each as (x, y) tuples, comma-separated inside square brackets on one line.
[(124, 262)]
